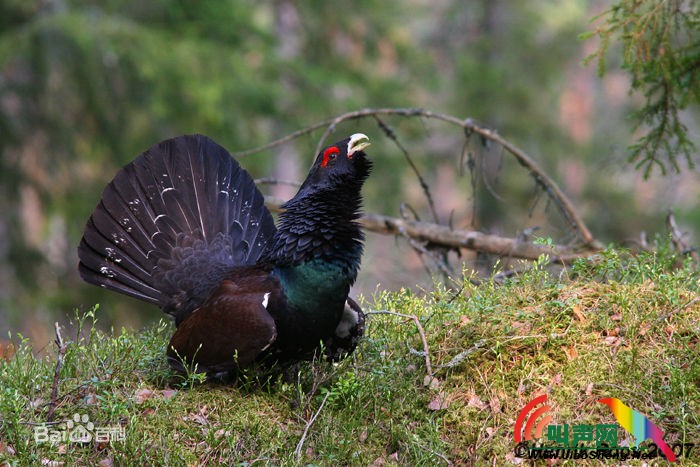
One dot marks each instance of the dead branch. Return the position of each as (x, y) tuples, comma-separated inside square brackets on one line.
[(677, 237), (56, 373), (444, 268), (563, 203), (300, 445), (426, 350), (276, 181), (423, 184), (439, 258), (443, 236), (683, 307), (471, 239)]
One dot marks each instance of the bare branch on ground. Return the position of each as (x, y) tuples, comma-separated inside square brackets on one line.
[(61, 346)]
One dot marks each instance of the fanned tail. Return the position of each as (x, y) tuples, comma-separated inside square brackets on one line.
[(172, 223)]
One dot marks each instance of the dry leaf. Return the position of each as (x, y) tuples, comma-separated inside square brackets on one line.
[(474, 401), (495, 404), (106, 462), (438, 402), (589, 389), (570, 352), (36, 403), (510, 457), (142, 394), (168, 393), (90, 399), (556, 380), (200, 418), (363, 436), (52, 463), (522, 328), (431, 381), (7, 350), (616, 317), (578, 313)]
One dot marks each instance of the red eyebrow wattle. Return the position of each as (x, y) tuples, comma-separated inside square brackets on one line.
[(327, 154)]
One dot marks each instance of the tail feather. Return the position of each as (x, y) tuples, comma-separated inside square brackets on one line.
[(173, 222)]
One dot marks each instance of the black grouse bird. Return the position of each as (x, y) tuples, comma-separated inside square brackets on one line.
[(184, 227)]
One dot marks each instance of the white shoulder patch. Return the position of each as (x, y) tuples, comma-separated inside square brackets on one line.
[(266, 298)]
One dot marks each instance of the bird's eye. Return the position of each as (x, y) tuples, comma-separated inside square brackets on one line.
[(329, 155)]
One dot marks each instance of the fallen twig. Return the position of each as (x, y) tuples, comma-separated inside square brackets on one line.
[(678, 240), (435, 453), (300, 444), (481, 343), (667, 315), (426, 349), (59, 363)]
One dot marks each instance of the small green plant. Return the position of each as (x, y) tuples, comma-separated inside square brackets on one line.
[(345, 390), (619, 325), (544, 241)]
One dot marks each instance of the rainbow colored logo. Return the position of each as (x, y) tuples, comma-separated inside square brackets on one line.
[(588, 441), (638, 425)]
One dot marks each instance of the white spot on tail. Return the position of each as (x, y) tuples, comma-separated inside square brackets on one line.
[(266, 298), (105, 271)]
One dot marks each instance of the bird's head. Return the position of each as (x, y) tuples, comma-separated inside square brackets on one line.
[(344, 162)]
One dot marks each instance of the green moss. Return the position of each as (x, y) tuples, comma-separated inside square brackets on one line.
[(620, 326)]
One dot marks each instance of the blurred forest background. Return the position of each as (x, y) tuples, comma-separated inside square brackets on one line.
[(85, 86)]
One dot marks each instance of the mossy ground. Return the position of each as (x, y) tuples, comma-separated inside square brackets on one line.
[(614, 326)]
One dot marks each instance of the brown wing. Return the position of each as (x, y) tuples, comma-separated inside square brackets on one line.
[(227, 332)]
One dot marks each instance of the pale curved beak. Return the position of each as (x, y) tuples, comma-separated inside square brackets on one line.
[(357, 143)]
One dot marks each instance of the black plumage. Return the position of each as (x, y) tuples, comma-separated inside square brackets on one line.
[(184, 227)]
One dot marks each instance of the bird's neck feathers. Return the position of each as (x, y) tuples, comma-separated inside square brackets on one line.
[(320, 226)]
